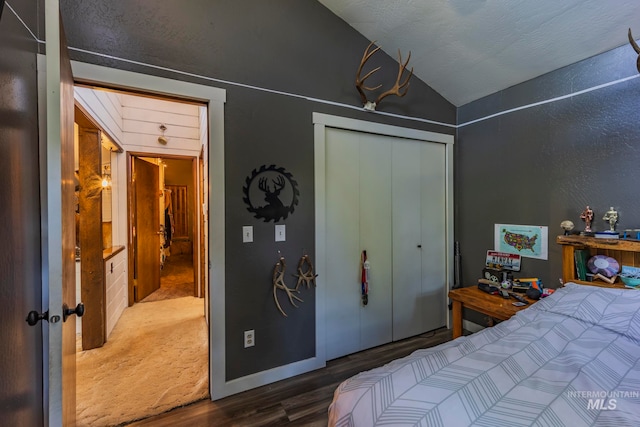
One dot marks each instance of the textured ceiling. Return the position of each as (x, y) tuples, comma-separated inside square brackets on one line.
[(467, 49)]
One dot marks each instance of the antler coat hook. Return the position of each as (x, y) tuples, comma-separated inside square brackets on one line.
[(395, 90), (278, 283)]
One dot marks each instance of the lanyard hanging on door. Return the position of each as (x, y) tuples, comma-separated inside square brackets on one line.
[(364, 270)]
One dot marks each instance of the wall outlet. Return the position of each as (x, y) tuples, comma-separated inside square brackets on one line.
[(249, 338)]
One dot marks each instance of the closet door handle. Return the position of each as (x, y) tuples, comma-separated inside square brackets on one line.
[(419, 246)]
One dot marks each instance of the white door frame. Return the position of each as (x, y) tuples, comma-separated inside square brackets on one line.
[(215, 98), (321, 123)]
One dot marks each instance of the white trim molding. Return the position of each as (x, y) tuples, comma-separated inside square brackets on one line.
[(320, 119), (215, 99)]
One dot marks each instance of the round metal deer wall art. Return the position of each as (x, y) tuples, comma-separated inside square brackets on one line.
[(270, 193)]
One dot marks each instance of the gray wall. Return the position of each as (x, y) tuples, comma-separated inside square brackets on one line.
[(544, 164), (20, 285), (295, 46)]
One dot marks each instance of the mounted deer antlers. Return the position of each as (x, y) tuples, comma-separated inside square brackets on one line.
[(395, 90), (636, 48), (308, 276), (278, 283)]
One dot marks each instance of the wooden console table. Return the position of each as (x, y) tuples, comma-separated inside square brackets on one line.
[(473, 298)]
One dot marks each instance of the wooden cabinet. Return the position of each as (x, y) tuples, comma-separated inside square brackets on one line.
[(626, 252)]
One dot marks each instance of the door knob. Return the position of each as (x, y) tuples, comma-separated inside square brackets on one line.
[(34, 317), (66, 311)]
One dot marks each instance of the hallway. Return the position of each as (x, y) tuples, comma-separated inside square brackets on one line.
[(155, 359), (176, 279)]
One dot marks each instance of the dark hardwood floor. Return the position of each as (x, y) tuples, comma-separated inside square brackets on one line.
[(299, 401)]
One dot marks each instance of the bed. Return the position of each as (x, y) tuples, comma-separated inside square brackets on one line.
[(571, 359)]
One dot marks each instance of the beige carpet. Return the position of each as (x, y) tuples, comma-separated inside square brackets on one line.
[(156, 359), (176, 279)]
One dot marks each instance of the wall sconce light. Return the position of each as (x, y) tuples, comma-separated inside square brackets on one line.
[(106, 176), (161, 139)]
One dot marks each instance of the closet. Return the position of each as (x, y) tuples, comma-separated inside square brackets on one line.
[(387, 195)]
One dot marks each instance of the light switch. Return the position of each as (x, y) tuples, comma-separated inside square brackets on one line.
[(280, 233), (247, 234)]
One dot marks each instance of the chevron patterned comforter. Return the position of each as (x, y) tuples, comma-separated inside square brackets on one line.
[(572, 359)]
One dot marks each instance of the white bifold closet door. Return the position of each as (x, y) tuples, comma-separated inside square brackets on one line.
[(419, 237), (385, 195), (358, 200)]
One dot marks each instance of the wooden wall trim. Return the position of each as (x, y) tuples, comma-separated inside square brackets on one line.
[(90, 232)]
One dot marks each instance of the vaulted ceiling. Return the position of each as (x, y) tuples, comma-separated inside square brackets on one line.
[(467, 49)]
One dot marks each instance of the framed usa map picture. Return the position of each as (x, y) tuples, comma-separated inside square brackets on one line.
[(531, 241)]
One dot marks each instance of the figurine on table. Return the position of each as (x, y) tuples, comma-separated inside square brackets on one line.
[(612, 216), (587, 217)]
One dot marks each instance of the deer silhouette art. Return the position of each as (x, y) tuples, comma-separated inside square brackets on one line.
[(274, 209), (269, 183)]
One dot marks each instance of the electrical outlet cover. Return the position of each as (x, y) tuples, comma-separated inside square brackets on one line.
[(249, 338)]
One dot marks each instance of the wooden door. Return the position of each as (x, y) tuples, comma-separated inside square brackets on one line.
[(21, 356), (147, 227), (59, 220)]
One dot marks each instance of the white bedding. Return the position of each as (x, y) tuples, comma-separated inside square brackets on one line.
[(572, 359)]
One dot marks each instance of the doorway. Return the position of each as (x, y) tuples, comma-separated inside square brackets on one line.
[(168, 224), (155, 329)]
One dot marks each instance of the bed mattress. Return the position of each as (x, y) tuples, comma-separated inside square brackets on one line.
[(572, 359)]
